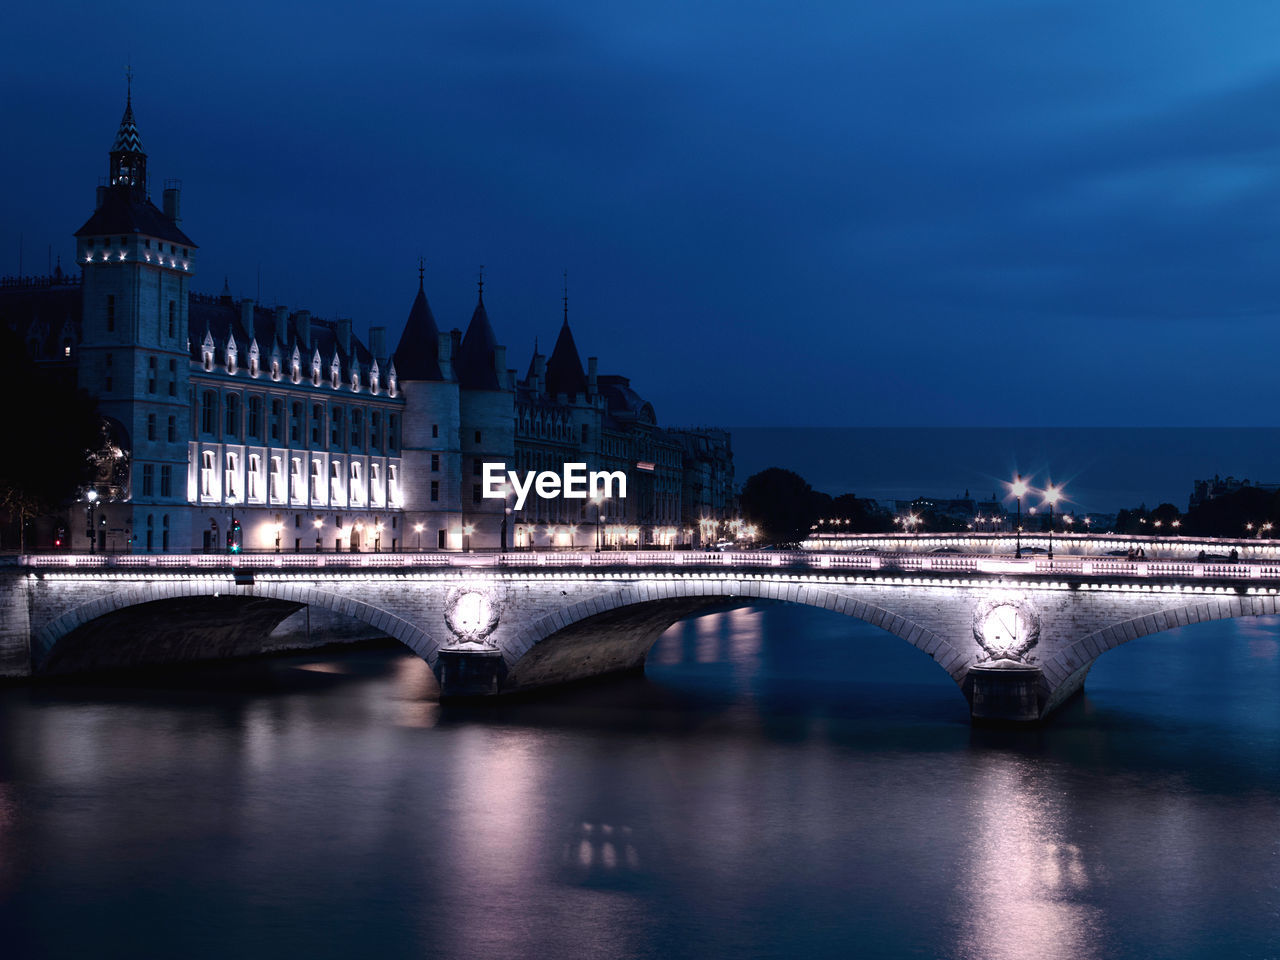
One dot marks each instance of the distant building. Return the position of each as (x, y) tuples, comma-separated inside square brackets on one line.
[(1203, 491)]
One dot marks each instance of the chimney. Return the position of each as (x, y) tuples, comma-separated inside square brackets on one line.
[(445, 353), (246, 316), (378, 343), (592, 365), (102, 196), (172, 205), (282, 324), (344, 334), (302, 323)]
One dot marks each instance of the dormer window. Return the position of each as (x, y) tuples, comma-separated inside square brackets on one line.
[(231, 359), (335, 375), (275, 368), (315, 370), (253, 363), (391, 386), (355, 381)]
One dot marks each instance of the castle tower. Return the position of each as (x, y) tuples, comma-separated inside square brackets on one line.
[(430, 452), (487, 403), (137, 266)]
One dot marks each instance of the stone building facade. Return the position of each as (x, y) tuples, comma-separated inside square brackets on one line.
[(262, 428)]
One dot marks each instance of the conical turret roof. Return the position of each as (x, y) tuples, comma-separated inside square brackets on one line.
[(417, 356), (477, 365), (564, 368)]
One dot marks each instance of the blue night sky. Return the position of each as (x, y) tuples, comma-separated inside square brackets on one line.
[(829, 214)]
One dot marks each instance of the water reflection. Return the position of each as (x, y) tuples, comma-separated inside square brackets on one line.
[(1024, 886)]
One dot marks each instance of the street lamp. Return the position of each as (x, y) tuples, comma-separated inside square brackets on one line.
[(377, 537), (598, 500), (417, 528), (1051, 495), (318, 522), (467, 531), (279, 528), (232, 545), (93, 528), (1019, 490)]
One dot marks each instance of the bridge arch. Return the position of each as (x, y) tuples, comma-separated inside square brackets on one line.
[(1078, 657), (46, 639), (681, 597)]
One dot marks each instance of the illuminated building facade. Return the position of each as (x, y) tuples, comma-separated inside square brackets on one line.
[(242, 426)]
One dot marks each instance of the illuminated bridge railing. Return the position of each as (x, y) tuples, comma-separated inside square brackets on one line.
[(790, 562)]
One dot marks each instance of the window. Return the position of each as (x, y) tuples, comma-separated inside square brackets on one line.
[(435, 491), (151, 426), (206, 473), (275, 419), (173, 429), (335, 481), (296, 470), (356, 490), (475, 493), (356, 421), (233, 415), (392, 439), (254, 429), (173, 378), (335, 426), (435, 430), (148, 479), (232, 486), (477, 436), (111, 312), (164, 535), (317, 423), (255, 468), (151, 374), (295, 423), (166, 481), (435, 463), (475, 467), (317, 478), (150, 528), (277, 479), (375, 484), (208, 412), (172, 316), (393, 485), (375, 431)]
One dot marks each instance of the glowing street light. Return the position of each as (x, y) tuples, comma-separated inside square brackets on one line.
[(417, 528), (93, 528), (1019, 490), (598, 500), (318, 522), (1051, 496)]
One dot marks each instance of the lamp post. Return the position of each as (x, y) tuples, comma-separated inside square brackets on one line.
[(1019, 490), (377, 536), (232, 546), (599, 502), (93, 527), (318, 522), (1051, 495), (279, 528), (417, 528)]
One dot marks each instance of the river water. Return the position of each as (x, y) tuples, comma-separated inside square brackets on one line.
[(783, 782)]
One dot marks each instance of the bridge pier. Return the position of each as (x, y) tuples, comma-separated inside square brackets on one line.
[(1004, 691), (470, 673)]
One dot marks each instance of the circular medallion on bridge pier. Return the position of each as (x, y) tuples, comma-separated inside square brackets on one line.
[(1006, 627), (471, 612)]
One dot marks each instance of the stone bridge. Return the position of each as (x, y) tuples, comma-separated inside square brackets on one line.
[(1017, 636)]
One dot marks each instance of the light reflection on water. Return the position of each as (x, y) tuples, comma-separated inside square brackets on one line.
[(784, 783)]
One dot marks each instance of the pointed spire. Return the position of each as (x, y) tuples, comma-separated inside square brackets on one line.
[(566, 296), (564, 368), (418, 353), (477, 356), (480, 283)]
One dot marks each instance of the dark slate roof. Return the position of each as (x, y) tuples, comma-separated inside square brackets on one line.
[(220, 317), (418, 353), (127, 138), (533, 364), (564, 369), (121, 214), (622, 402), (476, 366)]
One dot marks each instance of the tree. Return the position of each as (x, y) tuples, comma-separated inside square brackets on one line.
[(782, 504), (53, 430)]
